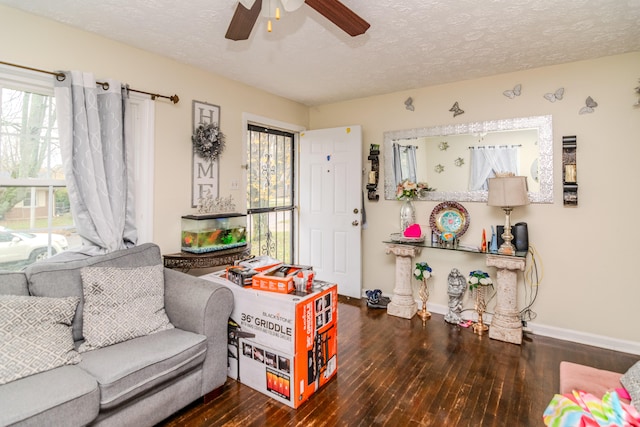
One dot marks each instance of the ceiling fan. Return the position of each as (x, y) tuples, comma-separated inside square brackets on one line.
[(247, 13)]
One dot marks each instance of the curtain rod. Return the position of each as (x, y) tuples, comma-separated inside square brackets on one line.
[(61, 77), (494, 146)]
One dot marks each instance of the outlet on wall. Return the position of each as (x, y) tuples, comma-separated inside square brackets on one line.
[(235, 184)]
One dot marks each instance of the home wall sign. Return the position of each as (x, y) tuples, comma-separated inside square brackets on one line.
[(205, 171)]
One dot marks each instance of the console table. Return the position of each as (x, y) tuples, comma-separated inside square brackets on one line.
[(505, 324), (187, 260)]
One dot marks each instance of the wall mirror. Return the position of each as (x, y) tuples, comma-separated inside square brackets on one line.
[(456, 159)]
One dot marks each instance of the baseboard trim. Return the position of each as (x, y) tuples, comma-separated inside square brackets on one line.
[(601, 341), (624, 346)]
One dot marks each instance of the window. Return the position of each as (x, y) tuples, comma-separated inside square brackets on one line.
[(35, 219), (270, 192)]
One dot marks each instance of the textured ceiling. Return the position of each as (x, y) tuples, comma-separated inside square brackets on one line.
[(411, 43)]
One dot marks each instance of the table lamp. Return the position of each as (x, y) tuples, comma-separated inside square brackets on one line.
[(507, 192)]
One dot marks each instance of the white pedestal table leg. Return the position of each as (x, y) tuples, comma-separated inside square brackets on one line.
[(402, 302), (506, 324)]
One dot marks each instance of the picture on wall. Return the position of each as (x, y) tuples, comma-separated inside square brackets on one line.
[(205, 170)]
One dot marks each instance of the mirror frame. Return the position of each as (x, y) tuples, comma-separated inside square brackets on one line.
[(545, 155)]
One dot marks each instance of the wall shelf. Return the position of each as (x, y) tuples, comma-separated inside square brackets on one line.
[(374, 174), (569, 171)]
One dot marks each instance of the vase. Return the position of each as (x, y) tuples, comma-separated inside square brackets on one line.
[(424, 296), (407, 214), (480, 327)]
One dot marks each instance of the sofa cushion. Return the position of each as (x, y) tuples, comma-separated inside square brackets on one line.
[(67, 394), (631, 382), (36, 336), (12, 283), (121, 304), (574, 376), (131, 368), (62, 279)]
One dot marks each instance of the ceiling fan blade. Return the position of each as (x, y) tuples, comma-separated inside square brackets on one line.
[(340, 15), (243, 21)]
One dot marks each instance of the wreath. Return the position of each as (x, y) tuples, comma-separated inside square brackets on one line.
[(208, 141)]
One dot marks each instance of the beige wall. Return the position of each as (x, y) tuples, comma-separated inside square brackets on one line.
[(35, 42), (586, 254)]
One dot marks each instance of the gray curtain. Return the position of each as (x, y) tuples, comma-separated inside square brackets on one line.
[(411, 163), (404, 162), (397, 163), (97, 157)]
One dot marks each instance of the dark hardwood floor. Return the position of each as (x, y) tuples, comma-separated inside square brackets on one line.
[(395, 372)]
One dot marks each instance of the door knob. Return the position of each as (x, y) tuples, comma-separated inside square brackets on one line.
[(355, 223)]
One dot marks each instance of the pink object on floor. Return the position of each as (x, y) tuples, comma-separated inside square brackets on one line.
[(413, 230), (574, 376)]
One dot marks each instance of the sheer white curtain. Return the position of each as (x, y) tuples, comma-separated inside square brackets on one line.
[(411, 162), (98, 160), (487, 161)]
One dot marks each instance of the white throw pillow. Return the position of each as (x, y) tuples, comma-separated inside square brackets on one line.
[(35, 335), (121, 304)]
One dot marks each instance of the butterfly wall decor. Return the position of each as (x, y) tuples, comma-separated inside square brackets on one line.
[(517, 90), (590, 104), (408, 104), (555, 96), (456, 110)]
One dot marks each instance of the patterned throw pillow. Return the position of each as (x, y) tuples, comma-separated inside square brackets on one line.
[(36, 336), (121, 304), (631, 382)]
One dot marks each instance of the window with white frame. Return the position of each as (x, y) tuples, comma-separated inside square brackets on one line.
[(35, 216)]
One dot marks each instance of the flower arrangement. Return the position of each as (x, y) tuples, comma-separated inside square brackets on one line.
[(408, 189), (479, 278), (422, 271), (208, 141)]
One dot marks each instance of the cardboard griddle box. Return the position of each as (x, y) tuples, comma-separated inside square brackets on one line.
[(283, 345)]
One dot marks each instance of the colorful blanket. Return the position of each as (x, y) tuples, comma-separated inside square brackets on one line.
[(581, 409)]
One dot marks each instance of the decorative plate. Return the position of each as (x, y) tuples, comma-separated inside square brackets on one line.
[(449, 217)]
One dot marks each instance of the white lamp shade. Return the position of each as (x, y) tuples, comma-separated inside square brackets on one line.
[(291, 5), (508, 191)]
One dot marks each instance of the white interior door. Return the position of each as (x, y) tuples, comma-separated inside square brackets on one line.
[(330, 195)]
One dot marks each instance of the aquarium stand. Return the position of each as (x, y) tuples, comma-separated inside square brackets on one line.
[(185, 261)]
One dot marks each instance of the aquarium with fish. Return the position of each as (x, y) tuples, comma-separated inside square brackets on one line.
[(213, 232)]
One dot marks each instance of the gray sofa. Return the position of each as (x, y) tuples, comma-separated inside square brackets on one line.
[(137, 382)]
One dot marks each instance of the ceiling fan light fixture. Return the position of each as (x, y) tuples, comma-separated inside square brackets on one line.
[(291, 5), (247, 12), (270, 8)]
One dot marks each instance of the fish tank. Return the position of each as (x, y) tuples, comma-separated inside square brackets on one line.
[(213, 232)]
